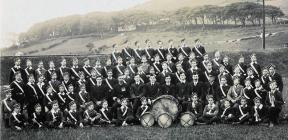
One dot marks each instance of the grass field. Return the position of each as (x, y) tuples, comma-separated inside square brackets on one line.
[(207, 132)]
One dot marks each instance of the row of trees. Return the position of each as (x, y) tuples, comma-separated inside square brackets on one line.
[(241, 13)]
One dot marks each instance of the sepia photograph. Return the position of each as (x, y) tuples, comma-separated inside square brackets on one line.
[(143, 69)]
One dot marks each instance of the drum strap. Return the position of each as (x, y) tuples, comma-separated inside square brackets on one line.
[(33, 90), (15, 117), (241, 68), (204, 65), (257, 94), (48, 98), (149, 56), (52, 86), (61, 98), (74, 71), (241, 111), (113, 54), (61, 71), (125, 50), (254, 69), (234, 91), (221, 87), (27, 72), (86, 71), (6, 105), (65, 87), (13, 70), (224, 111), (131, 69), (81, 97), (178, 77), (184, 51), (137, 53), (156, 67), (104, 114), (169, 68), (119, 70), (72, 116), (16, 83), (39, 86), (146, 107), (198, 51), (97, 71), (161, 53), (92, 82), (86, 112), (69, 96), (109, 85), (125, 111), (216, 62), (244, 93)]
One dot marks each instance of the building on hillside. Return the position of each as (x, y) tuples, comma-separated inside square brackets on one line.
[(126, 28)]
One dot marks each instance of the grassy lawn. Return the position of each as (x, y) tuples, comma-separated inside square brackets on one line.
[(175, 132)]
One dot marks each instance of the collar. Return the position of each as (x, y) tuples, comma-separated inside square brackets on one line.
[(142, 106), (75, 67), (51, 69), (243, 105), (260, 106), (17, 67)]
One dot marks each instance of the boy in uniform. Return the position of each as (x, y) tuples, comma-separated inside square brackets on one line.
[(54, 118), (38, 117), (14, 69), (199, 50), (276, 76), (210, 112), (17, 91), (124, 114), (50, 71), (107, 115), (28, 71), (142, 109), (62, 69), (75, 69), (235, 92), (274, 102), (17, 120), (228, 112), (243, 112), (7, 107), (73, 118), (259, 111), (91, 116)]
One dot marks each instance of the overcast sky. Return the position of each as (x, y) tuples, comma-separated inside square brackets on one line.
[(18, 15)]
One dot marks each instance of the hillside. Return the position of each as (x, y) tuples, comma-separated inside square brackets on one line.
[(225, 39), (168, 5)]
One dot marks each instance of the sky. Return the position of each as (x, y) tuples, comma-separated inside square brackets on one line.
[(18, 15)]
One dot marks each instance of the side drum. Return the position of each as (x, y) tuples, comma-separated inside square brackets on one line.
[(187, 119), (147, 119)]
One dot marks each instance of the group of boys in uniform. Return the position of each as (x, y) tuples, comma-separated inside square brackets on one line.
[(124, 88)]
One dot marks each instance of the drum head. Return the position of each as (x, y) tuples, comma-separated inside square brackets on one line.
[(164, 120), (187, 119), (147, 119), (165, 104)]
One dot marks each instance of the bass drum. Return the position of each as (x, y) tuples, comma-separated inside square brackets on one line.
[(187, 119), (147, 119), (166, 106)]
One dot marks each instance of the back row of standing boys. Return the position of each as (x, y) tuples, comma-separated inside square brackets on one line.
[(123, 89)]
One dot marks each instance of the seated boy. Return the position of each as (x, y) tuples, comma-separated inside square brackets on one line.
[(107, 117), (54, 118), (91, 116), (243, 112), (124, 114), (73, 118), (195, 107), (38, 117), (259, 111), (143, 108), (17, 120), (210, 112), (7, 107), (228, 113)]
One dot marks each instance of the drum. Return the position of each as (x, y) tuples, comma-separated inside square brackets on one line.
[(187, 119), (167, 107), (164, 120), (147, 119)]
